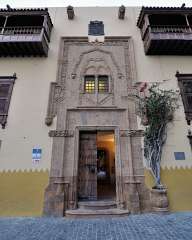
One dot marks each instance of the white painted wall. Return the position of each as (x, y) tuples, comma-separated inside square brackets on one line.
[(26, 129)]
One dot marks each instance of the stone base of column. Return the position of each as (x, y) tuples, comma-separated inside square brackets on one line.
[(138, 196), (54, 201), (133, 202)]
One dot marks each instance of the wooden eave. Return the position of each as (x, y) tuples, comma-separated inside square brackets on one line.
[(162, 10), (8, 77), (183, 76)]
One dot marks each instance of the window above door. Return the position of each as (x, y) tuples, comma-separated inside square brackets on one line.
[(103, 84), (89, 84), (96, 84)]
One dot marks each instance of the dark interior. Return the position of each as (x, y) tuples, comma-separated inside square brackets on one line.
[(2, 21), (22, 20), (167, 19), (189, 17)]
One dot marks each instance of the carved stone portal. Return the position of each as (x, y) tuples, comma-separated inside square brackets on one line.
[(78, 111)]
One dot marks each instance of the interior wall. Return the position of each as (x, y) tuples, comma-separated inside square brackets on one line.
[(109, 146)]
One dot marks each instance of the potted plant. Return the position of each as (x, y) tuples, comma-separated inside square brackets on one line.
[(158, 108)]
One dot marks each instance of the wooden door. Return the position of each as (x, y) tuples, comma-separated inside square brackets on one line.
[(87, 174)]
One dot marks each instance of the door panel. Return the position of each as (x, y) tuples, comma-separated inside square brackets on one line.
[(87, 177)]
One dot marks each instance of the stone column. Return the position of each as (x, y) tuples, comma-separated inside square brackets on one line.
[(56, 194)]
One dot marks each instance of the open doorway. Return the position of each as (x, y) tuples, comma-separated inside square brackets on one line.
[(105, 165), (96, 173)]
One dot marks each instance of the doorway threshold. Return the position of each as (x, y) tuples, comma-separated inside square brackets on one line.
[(97, 205)]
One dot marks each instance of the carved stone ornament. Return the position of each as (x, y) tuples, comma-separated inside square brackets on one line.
[(97, 49), (132, 133), (61, 133), (56, 95), (57, 89)]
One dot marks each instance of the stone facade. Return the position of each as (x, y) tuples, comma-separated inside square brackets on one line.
[(79, 111)]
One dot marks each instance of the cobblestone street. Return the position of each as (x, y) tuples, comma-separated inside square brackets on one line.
[(176, 226)]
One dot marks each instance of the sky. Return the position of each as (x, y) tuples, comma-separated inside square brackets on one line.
[(76, 3)]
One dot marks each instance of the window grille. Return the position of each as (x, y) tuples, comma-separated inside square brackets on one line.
[(103, 84), (89, 84)]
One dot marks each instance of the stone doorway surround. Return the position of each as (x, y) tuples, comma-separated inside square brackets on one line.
[(118, 167), (116, 112)]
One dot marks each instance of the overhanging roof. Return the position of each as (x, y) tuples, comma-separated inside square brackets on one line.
[(162, 10), (25, 11)]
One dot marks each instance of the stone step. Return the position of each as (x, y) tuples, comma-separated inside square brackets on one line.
[(88, 213), (97, 205)]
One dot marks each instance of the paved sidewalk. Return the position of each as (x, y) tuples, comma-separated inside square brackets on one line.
[(176, 226)]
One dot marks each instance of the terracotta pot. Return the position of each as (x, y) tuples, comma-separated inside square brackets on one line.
[(159, 200)]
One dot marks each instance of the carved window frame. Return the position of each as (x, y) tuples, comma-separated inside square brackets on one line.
[(183, 80), (6, 80)]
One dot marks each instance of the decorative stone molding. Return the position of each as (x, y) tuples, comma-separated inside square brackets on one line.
[(97, 49), (96, 66), (110, 115), (131, 133), (56, 95), (61, 133), (133, 92), (51, 109), (130, 67), (57, 89)]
